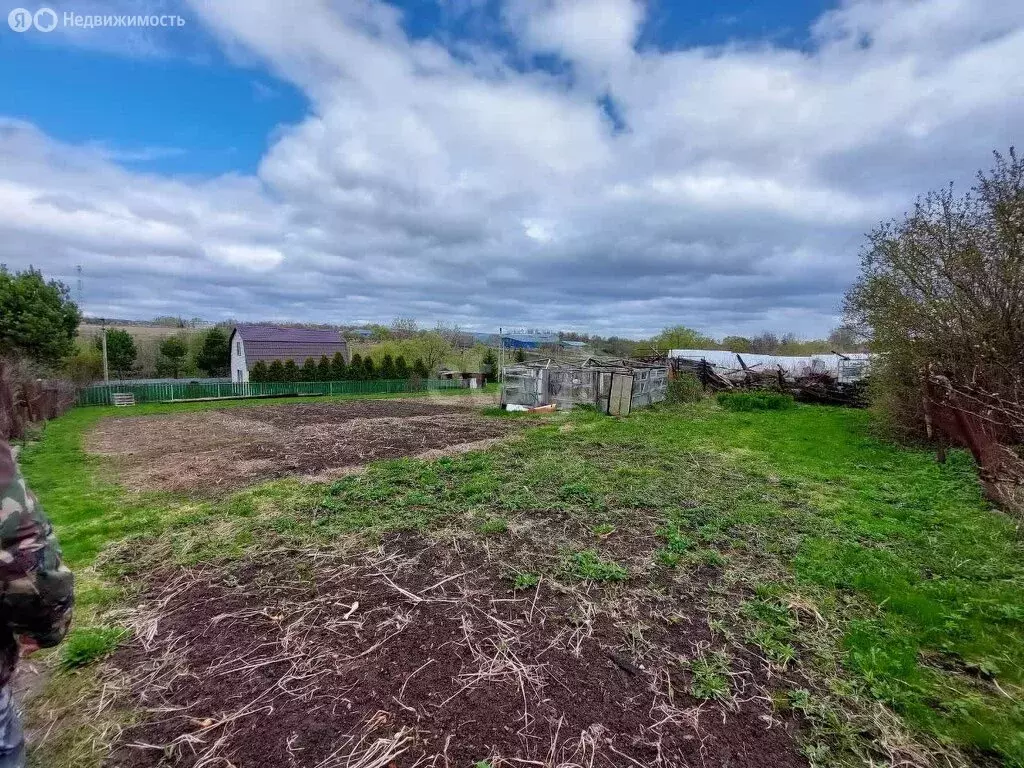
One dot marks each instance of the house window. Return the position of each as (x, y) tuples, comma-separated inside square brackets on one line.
[(238, 347), (238, 374)]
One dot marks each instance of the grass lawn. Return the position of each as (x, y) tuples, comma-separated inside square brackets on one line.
[(880, 586)]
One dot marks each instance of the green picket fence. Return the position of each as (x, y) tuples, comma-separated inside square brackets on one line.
[(101, 394)]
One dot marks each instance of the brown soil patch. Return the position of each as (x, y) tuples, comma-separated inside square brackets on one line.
[(418, 655), (234, 447)]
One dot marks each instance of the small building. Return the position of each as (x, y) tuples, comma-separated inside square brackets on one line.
[(615, 386), (252, 343)]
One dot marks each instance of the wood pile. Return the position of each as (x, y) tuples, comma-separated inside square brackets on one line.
[(816, 387)]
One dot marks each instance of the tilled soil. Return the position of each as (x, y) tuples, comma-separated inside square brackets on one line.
[(419, 655), (230, 448)]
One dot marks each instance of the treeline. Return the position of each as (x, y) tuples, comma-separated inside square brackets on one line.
[(842, 339), (336, 369)]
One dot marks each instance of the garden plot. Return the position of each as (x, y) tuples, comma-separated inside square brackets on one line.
[(420, 654), (233, 447)]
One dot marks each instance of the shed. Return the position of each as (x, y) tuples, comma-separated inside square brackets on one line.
[(613, 386), (252, 343)]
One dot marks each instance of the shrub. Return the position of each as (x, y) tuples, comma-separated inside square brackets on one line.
[(291, 371), (308, 371), (275, 372), (755, 401), (402, 368), (339, 371), (684, 388), (259, 372), (356, 371), (323, 369)]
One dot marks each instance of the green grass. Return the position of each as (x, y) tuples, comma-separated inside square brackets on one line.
[(493, 526), (878, 573), (587, 565), (755, 401), (710, 676), (85, 645)]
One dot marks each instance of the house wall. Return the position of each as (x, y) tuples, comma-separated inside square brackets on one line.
[(239, 370)]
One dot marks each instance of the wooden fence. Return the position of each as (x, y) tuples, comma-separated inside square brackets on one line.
[(102, 394)]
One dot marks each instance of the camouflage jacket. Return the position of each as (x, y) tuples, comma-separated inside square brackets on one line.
[(37, 590)]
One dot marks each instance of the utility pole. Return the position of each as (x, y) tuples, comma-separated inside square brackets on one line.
[(106, 372)]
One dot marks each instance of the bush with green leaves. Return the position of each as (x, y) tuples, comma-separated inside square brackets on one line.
[(356, 371), (402, 368), (684, 388), (308, 372), (275, 372), (755, 401), (339, 370), (259, 373), (323, 369), (291, 371)]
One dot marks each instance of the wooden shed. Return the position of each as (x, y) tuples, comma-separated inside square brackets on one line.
[(615, 386)]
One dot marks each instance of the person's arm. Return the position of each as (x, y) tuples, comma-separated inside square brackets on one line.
[(38, 591)]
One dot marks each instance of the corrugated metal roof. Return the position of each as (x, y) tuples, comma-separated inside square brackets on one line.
[(289, 335)]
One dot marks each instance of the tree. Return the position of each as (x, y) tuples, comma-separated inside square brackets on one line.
[(387, 368), (845, 338), (944, 287), (308, 372), (121, 351), (173, 350), (739, 344), (84, 366), (681, 337), (38, 320), (276, 371), (356, 372), (259, 373), (490, 365), (323, 369), (339, 371), (433, 348), (291, 371), (402, 368), (765, 343), (419, 369), (404, 327), (214, 357), (369, 369), (520, 356)]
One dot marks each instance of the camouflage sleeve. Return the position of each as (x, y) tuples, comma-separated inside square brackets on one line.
[(38, 590)]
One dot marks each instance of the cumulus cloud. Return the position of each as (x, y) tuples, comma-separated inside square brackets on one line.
[(730, 192)]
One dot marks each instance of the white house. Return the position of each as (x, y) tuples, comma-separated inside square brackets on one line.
[(252, 343)]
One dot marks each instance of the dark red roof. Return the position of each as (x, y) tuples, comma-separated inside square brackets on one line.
[(268, 343)]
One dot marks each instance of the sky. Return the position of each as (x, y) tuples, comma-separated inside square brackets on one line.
[(610, 166)]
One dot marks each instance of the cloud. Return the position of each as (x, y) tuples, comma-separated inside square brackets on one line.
[(462, 186)]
